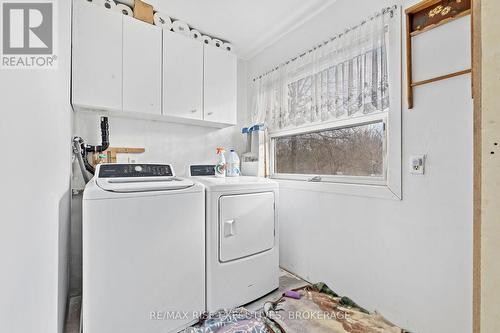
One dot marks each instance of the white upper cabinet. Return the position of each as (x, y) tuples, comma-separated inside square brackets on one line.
[(220, 80), (123, 64), (182, 76), (142, 59), (97, 57)]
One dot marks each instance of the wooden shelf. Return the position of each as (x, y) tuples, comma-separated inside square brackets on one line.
[(442, 77), (448, 20), (423, 17)]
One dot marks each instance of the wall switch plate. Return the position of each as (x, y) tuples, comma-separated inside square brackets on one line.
[(417, 164)]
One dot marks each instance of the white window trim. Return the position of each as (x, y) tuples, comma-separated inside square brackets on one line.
[(390, 186), (332, 125)]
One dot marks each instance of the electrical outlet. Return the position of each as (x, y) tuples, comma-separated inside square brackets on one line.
[(417, 164)]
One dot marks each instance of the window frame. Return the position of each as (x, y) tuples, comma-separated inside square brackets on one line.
[(380, 117), (389, 187)]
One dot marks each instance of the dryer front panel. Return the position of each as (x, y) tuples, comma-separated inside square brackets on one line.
[(246, 225)]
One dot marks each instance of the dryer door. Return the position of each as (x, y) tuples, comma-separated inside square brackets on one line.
[(246, 225)]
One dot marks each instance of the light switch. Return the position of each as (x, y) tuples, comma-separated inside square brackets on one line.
[(417, 164)]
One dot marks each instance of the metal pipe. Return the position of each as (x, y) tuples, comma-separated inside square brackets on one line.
[(104, 138), (82, 151)]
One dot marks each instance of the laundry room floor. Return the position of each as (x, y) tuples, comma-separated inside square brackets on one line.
[(287, 281)]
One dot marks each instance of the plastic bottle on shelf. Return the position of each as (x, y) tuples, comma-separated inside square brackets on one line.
[(220, 166), (233, 164)]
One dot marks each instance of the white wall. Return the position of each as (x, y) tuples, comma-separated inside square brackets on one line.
[(35, 132), (411, 259)]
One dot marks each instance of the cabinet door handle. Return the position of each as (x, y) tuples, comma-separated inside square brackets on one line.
[(210, 113), (193, 110)]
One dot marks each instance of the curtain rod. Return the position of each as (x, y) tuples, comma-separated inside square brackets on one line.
[(384, 11)]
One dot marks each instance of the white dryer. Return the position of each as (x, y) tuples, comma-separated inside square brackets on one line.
[(143, 250), (242, 243)]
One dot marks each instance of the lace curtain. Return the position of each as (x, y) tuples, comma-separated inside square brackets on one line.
[(344, 77)]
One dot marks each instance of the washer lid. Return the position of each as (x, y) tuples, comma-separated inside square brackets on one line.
[(143, 184)]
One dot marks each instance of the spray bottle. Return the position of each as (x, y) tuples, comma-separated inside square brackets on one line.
[(220, 166)]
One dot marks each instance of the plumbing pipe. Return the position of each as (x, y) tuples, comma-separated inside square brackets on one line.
[(104, 138), (77, 150)]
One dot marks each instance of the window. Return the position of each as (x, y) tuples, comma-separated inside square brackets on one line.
[(353, 87), (334, 113), (339, 114), (351, 151), (355, 151)]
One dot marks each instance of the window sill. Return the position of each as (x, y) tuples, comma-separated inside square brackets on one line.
[(360, 190)]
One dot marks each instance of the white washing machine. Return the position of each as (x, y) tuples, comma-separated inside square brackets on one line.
[(242, 242), (143, 250)]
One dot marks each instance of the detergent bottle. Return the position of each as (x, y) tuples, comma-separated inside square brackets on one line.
[(233, 164), (220, 166)]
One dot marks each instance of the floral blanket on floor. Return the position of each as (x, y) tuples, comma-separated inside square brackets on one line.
[(235, 321), (321, 310), (318, 310)]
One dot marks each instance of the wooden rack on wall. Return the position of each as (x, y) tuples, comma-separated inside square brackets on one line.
[(109, 156), (423, 17)]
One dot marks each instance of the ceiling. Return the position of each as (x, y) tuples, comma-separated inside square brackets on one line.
[(250, 25)]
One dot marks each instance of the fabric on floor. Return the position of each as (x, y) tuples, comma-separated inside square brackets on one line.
[(235, 321), (321, 310), (346, 301)]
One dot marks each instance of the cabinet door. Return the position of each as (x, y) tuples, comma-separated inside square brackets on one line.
[(182, 76), (220, 79), (141, 66), (97, 57)]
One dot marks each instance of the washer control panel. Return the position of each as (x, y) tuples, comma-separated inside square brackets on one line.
[(134, 170), (202, 170)]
